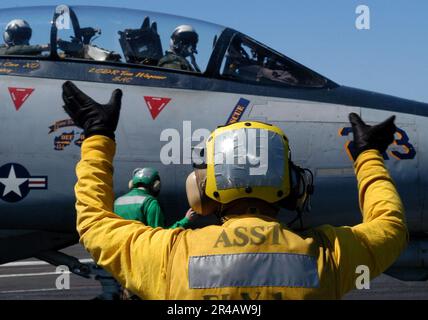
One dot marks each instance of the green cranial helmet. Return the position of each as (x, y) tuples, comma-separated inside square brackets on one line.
[(148, 178)]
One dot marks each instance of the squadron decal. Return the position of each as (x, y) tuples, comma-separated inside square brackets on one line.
[(16, 182), (238, 111), (19, 96), (66, 138)]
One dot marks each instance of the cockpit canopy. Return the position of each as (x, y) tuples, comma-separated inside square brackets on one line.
[(142, 38)]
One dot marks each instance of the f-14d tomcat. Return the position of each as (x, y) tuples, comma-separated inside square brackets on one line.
[(233, 78)]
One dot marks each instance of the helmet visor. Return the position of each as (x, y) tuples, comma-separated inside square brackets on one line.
[(187, 37), (251, 157)]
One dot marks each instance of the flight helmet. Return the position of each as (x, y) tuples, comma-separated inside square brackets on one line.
[(147, 178), (247, 160), (17, 32), (184, 40)]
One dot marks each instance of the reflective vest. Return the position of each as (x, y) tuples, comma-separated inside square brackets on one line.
[(139, 205), (250, 257)]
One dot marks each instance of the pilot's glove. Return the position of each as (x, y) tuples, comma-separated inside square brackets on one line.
[(94, 118), (367, 137)]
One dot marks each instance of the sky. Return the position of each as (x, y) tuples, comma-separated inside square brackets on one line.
[(391, 57)]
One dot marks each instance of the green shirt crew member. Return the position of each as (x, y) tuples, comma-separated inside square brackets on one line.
[(141, 204)]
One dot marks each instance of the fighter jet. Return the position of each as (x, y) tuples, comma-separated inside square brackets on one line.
[(220, 77)]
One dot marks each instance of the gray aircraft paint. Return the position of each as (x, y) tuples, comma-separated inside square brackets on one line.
[(313, 136)]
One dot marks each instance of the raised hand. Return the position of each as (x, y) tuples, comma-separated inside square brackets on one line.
[(92, 117), (367, 137)]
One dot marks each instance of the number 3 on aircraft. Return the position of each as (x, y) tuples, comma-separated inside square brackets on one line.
[(402, 141)]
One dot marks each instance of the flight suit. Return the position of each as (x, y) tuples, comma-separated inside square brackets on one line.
[(24, 50), (138, 204), (249, 256), (174, 61)]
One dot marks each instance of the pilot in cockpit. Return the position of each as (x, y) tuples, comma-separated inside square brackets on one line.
[(249, 62), (182, 46), (17, 35)]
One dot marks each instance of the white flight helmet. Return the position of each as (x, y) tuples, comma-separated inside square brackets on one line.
[(184, 40), (17, 32)]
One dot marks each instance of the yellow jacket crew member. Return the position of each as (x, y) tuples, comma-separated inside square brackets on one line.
[(252, 255)]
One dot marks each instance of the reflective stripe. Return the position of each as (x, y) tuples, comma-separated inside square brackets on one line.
[(129, 200), (253, 270)]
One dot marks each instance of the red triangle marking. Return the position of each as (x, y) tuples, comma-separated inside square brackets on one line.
[(19, 96), (156, 105)]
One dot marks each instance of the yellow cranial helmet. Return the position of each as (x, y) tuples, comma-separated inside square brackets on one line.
[(247, 160)]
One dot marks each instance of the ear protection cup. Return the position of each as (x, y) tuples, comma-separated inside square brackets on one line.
[(156, 187), (195, 190), (297, 188)]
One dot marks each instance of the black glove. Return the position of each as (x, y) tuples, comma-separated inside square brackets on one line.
[(93, 117), (367, 137)]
